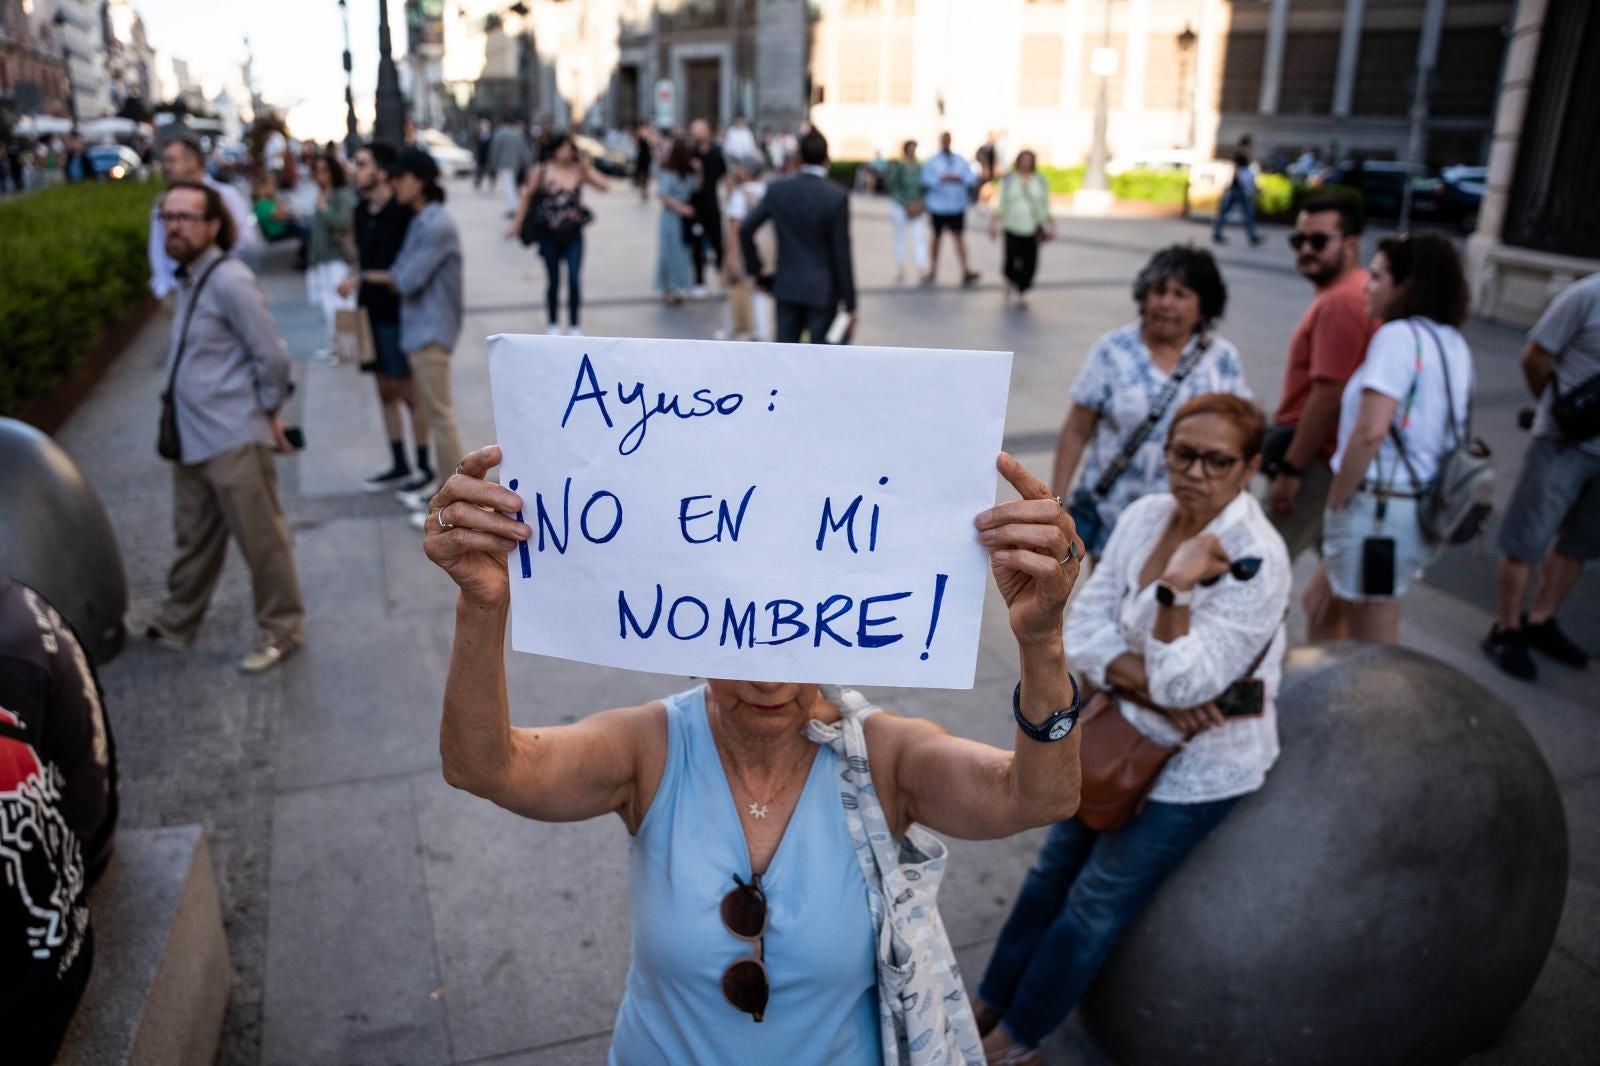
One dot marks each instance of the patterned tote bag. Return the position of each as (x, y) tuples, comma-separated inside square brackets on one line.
[(922, 1003)]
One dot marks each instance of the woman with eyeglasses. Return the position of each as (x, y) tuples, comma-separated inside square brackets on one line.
[(1133, 380), (753, 941), (1184, 611), (1394, 428)]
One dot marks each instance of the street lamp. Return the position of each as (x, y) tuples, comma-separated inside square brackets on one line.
[(1185, 42), (59, 22), (389, 122), (1102, 64), (350, 139)]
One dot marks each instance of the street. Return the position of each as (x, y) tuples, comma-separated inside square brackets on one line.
[(375, 915)]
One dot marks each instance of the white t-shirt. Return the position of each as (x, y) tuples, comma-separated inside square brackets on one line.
[(743, 198), (1390, 368)]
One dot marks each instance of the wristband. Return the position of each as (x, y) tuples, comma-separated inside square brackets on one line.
[(1286, 467), (1057, 726)]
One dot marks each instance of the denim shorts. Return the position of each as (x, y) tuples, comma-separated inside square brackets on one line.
[(392, 361), (1344, 532), (1557, 498)]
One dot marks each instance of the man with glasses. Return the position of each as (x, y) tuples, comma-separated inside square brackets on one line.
[(228, 370), (182, 160), (1327, 346)]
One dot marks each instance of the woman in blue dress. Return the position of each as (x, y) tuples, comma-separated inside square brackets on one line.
[(675, 185), (752, 934)]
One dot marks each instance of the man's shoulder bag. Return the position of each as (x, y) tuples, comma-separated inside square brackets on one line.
[(168, 444), (1577, 411)]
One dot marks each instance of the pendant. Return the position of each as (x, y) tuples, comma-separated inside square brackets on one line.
[(758, 810)]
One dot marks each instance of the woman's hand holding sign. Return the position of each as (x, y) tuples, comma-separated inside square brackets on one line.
[(470, 530), (1034, 554)]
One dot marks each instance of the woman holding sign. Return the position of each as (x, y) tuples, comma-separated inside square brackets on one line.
[(752, 913)]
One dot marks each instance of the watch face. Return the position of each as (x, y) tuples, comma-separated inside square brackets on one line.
[(1164, 595), (1060, 729)]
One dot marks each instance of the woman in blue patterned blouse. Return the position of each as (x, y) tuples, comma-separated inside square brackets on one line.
[(1153, 364)]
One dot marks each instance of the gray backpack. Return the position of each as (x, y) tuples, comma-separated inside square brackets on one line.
[(1454, 506)]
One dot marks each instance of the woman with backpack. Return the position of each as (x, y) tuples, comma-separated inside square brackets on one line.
[(1404, 415), (1023, 211), (553, 197)]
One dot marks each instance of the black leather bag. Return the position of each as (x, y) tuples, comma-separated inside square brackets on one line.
[(1577, 411), (168, 444)]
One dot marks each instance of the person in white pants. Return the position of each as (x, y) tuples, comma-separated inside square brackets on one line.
[(902, 180)]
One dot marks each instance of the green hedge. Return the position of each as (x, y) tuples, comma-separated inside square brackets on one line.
[(72, 262), (1148, 186)]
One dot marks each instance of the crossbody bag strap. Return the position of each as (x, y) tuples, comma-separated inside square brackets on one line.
[(188, 317), (1141, 433), (1394, 431), (1461, 431)]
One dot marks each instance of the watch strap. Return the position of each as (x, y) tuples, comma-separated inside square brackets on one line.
[(1168, 596), (1058, 726)]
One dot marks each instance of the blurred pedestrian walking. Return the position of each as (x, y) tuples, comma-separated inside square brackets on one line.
[(811, 216), (381, 225), (675, 188), (908, 215), (1554, 514), (704, 234), (427, 274), (553, 195), (948, 182), (749, 309), (274, 218), (1327, 346), (509, 155), (182, 160), (644, 158), (331, 246), (1241, 194), (480, 151), (1023, 212), (1402, 412), (1133, 381), (739, 141), (227, 379)]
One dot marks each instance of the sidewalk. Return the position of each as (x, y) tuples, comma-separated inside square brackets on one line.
[(376, 915)]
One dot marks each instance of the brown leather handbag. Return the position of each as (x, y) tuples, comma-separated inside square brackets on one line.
[(1119, 764)]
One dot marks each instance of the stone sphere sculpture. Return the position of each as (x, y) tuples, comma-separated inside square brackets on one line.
[(1388, 897), (55, 537)]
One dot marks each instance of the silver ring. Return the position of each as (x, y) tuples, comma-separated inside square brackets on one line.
[(1072, 553), (1062, 506), (443, 525)]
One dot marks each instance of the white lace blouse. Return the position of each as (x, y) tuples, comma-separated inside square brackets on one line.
[(1229, 624)]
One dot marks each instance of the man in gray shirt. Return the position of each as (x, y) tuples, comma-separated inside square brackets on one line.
[(231, 379), (1554, 512), (427, 274)]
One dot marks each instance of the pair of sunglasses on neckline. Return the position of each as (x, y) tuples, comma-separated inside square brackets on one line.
[(744, 914)]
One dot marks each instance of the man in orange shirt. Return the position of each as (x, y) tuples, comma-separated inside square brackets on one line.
[(1328, 345)]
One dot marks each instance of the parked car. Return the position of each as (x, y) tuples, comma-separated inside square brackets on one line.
[(115, 162), (450, 156), (607, 161), (1382, 183), (1453, 197)]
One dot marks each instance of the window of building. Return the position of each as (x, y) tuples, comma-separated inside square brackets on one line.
[(902, 53), (1468, 75), (1165, 71), (858, 65), (1310, 67), (1241, 72), (1383, 74), (1040, 71), (861, 8)]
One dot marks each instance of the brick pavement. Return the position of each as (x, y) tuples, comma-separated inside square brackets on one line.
[(377, 916)]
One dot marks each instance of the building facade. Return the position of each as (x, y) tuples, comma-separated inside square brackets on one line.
[(75, 30), (1539, 226), (33, 80), (130, 61)]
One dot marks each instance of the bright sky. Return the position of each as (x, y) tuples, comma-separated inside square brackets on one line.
[(298, 45)]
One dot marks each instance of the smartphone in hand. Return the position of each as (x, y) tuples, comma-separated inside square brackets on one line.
[(295, 436)]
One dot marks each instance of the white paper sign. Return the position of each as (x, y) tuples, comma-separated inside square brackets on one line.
[(769, 512)]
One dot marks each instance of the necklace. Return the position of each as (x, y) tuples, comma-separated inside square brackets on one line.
[(758, 807)]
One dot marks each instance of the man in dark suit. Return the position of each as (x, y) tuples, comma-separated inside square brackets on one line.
[(812, 217)]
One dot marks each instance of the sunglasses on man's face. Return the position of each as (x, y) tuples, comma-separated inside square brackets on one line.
[(1318, 241), (744, 914)]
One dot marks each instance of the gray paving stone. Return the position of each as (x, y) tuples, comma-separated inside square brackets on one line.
[(351, 969)]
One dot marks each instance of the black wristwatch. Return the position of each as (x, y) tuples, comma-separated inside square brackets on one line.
[(1284, 466), (1057, 726)]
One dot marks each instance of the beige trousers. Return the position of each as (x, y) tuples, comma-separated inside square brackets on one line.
[(234, 494), (430, 369)]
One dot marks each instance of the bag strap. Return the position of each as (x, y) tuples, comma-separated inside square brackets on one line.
[(848, 739), (1460, 431), (188, 317), (1141, 433)]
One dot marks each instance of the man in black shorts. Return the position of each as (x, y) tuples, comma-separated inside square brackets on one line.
[(948, 182), (380, 226), (58, 810)]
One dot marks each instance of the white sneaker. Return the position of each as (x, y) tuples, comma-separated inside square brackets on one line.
[(698, 293), (721, 335), (553, 329), (418, 519), (417, 499), (574, 331)]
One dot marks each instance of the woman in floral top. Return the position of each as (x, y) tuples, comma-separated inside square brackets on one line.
[(1180, 295)]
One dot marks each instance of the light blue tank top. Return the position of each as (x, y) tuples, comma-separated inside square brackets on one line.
[(820, 953)]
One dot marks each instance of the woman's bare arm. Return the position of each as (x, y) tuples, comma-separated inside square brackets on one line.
[(1070, 445), (1373, 419)]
